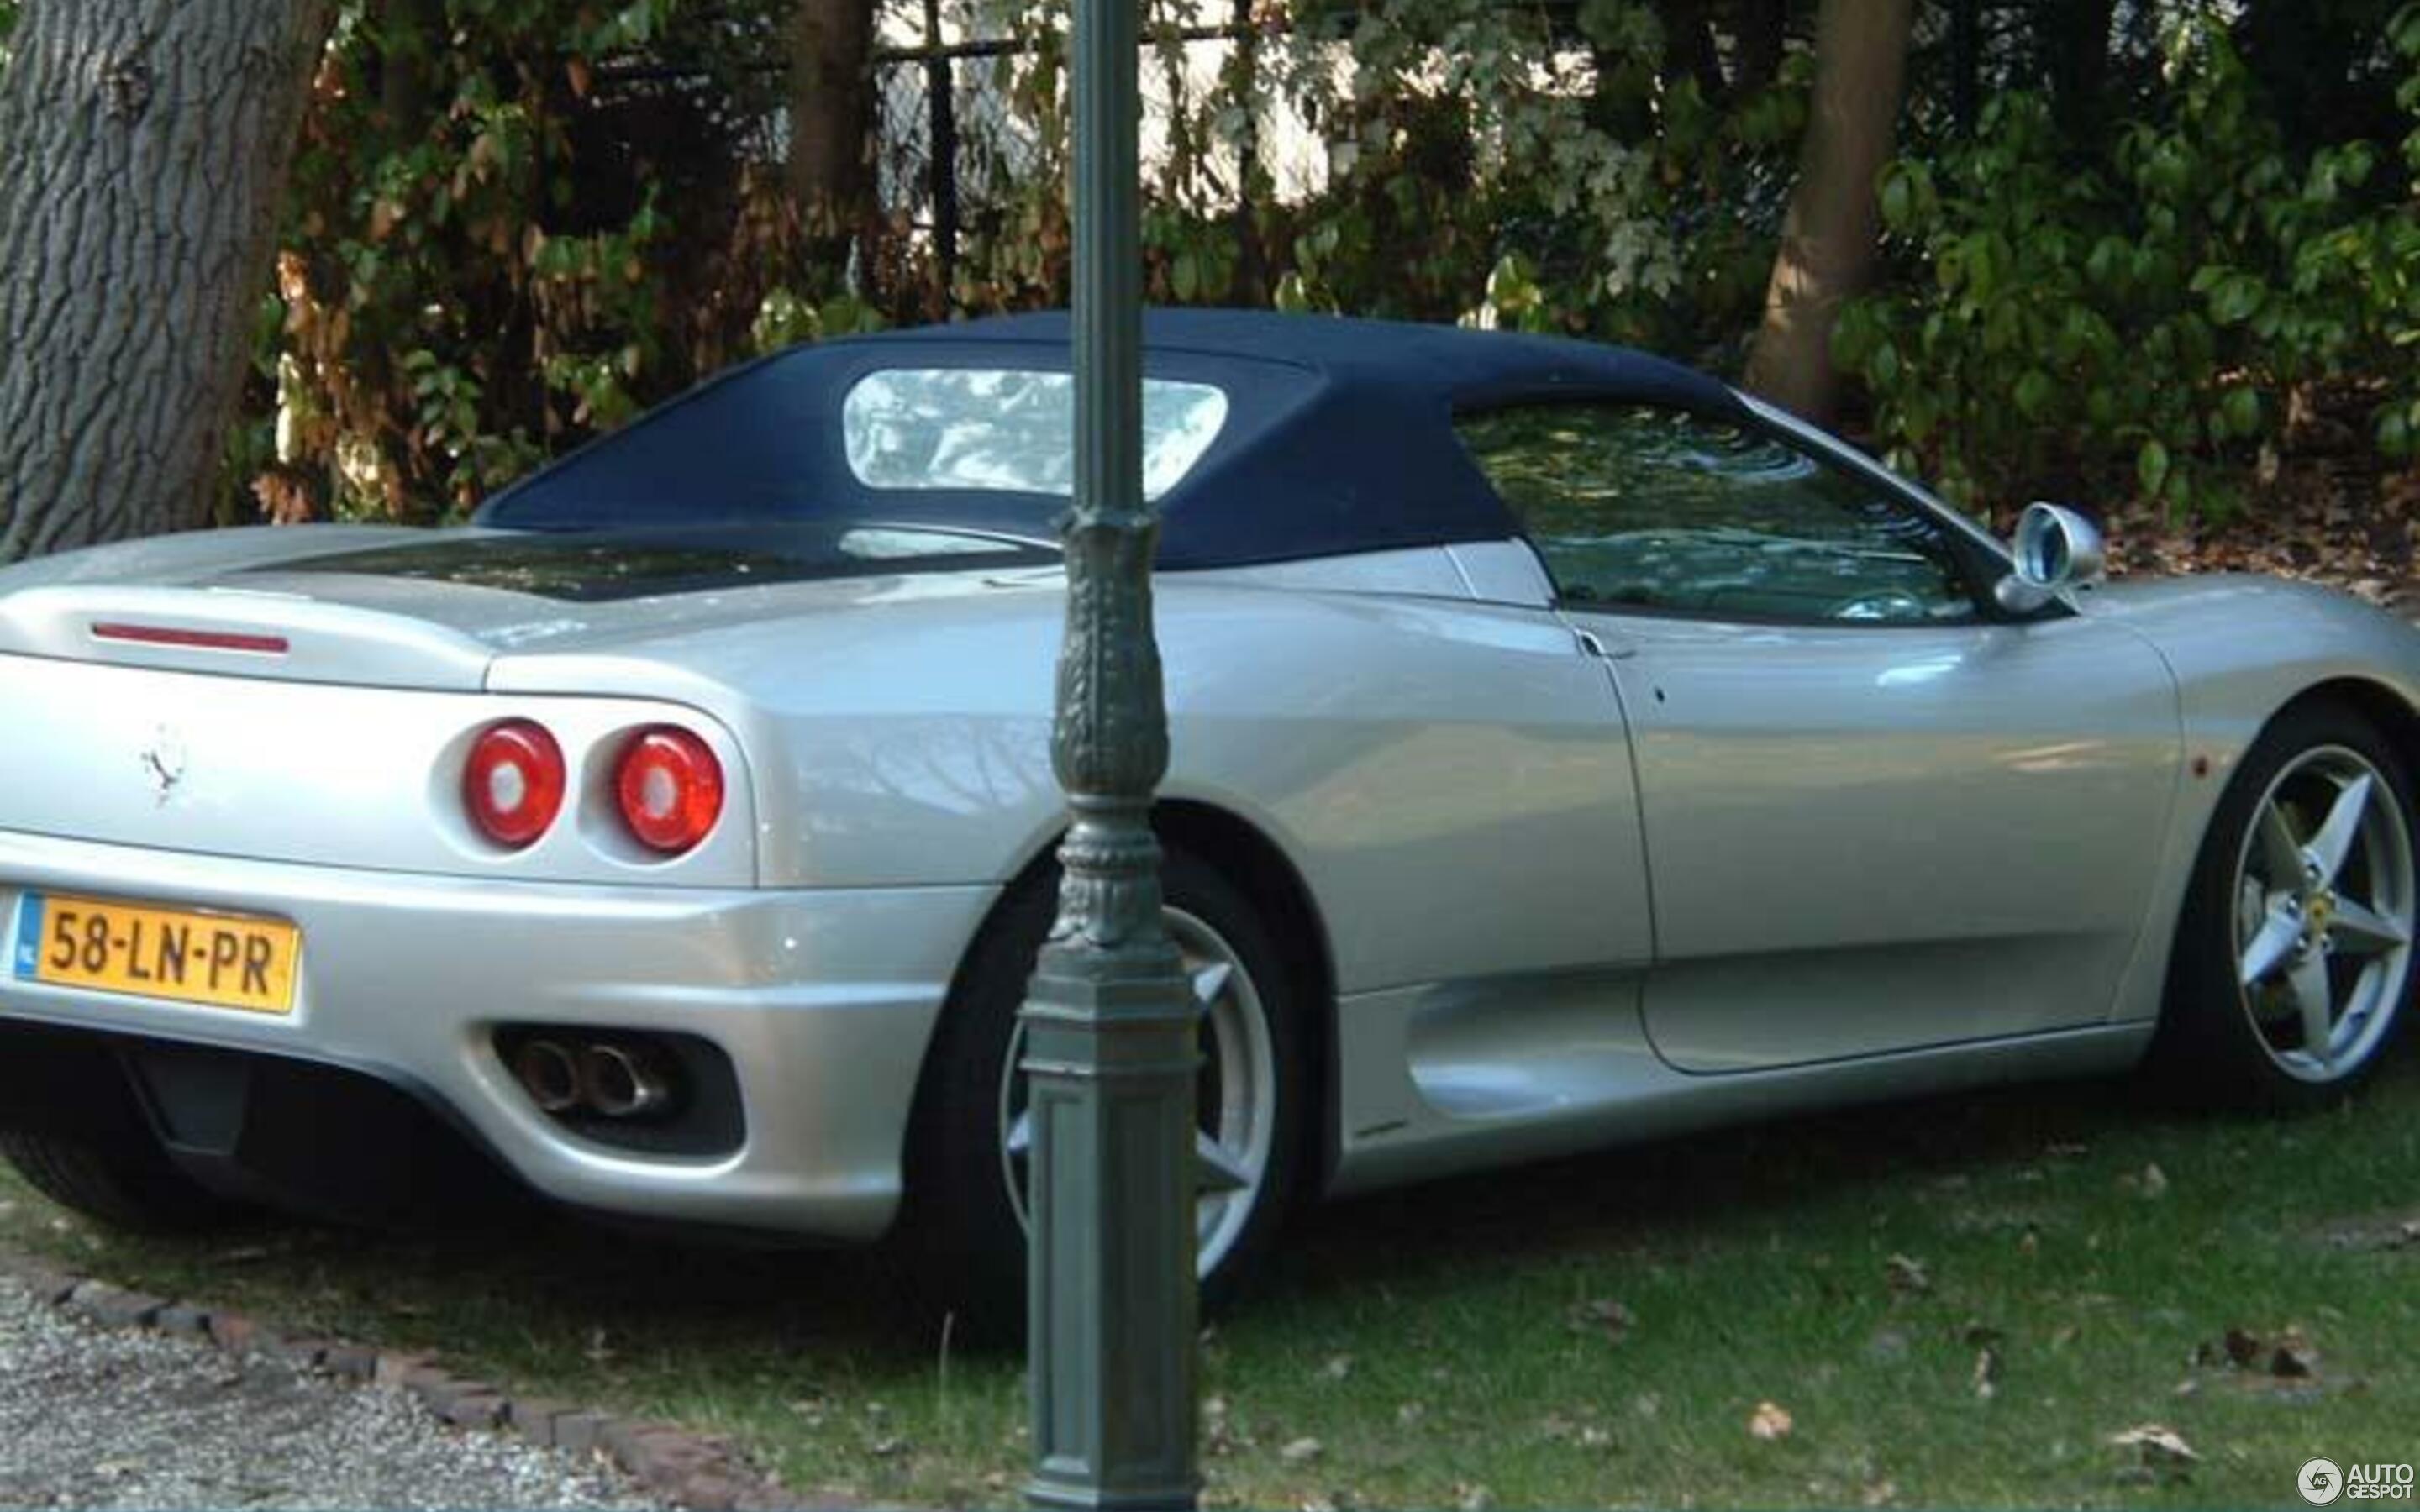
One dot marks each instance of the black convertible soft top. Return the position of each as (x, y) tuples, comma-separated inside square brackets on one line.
[(1337, 436)]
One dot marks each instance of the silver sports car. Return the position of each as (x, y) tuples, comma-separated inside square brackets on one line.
[(1568, 749)]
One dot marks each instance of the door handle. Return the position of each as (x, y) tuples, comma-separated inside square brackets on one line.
[(1594, 645)]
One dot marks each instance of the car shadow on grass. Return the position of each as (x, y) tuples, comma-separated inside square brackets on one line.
[(1660, 1197), (563, 1296)]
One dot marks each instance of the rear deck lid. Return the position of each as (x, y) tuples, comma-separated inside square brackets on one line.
[(394, 608)]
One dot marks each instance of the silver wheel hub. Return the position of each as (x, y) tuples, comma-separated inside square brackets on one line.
[(1235, 1098), (2324, 914)]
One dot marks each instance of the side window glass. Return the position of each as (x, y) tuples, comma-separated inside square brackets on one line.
[(1633, 505)]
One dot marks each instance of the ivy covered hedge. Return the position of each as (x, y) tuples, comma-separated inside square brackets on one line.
[(2166, 311), (515, 223)]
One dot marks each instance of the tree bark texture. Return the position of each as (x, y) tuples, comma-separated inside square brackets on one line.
[(832, 119), (1828, 238), (144, 146)]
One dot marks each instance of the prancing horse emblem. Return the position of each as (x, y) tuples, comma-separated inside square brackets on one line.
[(163, 762)]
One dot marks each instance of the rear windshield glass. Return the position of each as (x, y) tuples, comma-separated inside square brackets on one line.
[(1008, 429), (602, 565)]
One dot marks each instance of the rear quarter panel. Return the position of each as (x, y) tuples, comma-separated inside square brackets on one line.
[(1449, 779)]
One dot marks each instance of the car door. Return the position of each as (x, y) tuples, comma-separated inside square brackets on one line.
[(1879, 815)]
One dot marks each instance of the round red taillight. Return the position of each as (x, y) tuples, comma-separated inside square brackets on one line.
[(671, 788), (513, 783)]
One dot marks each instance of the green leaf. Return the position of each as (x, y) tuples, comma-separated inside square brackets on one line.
[(2106, 264), (2394, 435), (1884, 368), (2151, 467), (2241, 409), (2235, 299), (2034, 393), (1898, 200)]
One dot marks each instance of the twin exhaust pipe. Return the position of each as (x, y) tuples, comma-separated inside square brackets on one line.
[(615, 1078)]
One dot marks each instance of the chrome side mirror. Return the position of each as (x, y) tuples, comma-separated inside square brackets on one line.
[(2056, 550)]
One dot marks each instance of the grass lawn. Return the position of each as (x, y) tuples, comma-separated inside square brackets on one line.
[(1955, 1303)]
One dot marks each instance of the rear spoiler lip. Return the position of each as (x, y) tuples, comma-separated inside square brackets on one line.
[(226, 631)]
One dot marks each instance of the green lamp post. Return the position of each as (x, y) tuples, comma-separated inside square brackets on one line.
[(1110, 1048)]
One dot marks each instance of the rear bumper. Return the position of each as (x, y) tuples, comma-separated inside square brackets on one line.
[(823, 1000)]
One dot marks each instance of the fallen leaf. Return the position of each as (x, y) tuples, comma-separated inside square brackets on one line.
[(1881, 1493), (1217, 1431), (1769, 1422), (2157, 1443), (1337, 1368), (2155, 1182), (1302, 1450), (2242, 1348), (2293, 1359), (1907, 1275), (1599, 1315)]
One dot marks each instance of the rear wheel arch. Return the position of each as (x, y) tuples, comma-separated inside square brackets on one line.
[(1244, 855), (1240, 860)]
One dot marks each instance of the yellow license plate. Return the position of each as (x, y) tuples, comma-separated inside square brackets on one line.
[(216, 959)]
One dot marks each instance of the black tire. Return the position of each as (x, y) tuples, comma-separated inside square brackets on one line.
[(123, 1179), (2211, 1048), (964, 1241)]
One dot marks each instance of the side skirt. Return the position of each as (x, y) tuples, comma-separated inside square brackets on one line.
[(1440, 1079)]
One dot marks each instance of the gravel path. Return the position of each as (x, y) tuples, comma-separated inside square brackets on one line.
[(95, 1417)]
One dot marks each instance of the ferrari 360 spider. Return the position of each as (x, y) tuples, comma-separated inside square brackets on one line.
[(1567, 749)]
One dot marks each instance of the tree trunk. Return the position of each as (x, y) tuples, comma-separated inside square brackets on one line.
[(413, 30), (2076, 37), (1828, 238), (144, 146), (1762, 30), (1965, 62), (1689, 46), (831, 116)]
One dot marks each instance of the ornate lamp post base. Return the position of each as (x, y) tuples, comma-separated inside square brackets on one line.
[(1110, 1051)]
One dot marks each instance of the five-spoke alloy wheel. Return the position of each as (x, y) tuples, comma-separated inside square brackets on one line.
[(973, 1138), (2294, 954), (1235, 1103)]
